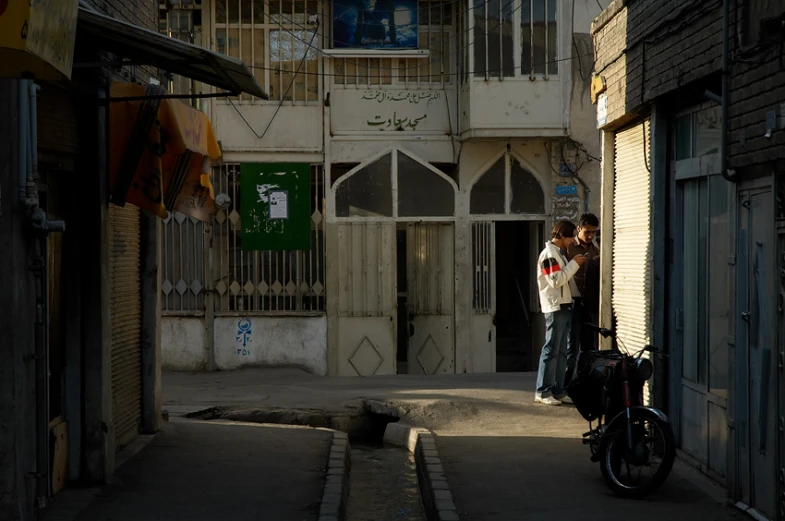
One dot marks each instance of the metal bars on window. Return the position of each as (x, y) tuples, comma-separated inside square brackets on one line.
[(183, 256), (482, 261), (494, 38), (539, 52), (267, 281), (272, 37)]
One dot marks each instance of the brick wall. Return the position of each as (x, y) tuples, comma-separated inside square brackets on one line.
[(143, 13), (647, 49), (757, 88)]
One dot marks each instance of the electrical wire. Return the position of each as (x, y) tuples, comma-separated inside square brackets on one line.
[(283, 97), (428, 63)]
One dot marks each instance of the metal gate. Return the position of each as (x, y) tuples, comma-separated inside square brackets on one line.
[(484, 300), (756, 354), (632, 251), (366, 299), (126, 327), (431, 297)]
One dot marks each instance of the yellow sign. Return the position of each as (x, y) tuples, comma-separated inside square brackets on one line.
[(37, 38), (164, 164)]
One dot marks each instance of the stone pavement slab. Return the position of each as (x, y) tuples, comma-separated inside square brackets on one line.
[(200, 471), (530, 478)]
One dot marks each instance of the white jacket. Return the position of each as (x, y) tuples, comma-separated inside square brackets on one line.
[(555, 278)]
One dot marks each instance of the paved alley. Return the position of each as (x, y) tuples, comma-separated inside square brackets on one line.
[(506, 458), (203, 471)]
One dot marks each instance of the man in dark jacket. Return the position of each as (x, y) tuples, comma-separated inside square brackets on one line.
[(587, 279)]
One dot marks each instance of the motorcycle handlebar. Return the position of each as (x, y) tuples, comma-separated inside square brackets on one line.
[(601, 330)]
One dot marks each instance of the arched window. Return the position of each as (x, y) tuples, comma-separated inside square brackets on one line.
[(507, 187), (395, 185)]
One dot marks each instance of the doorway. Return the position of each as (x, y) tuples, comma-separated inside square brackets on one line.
[(517, 248), (425, 298), (756, 369)]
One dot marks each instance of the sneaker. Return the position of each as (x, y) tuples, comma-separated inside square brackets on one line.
[(565, 399), (548, 400)]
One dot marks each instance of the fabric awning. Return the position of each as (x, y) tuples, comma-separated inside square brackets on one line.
[(160, 153), (146, 47)]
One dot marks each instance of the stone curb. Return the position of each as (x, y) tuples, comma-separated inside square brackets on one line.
[(336, 484), (435, 492)]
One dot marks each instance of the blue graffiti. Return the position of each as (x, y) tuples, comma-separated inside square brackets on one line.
[(244, 333)]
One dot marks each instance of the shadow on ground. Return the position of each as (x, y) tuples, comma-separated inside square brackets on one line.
[(525, 478), (219, 471)]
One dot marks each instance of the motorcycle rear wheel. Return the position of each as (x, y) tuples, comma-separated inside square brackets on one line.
[(615, 458)]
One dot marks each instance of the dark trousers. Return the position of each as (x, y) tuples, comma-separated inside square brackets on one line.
[(581, 338)]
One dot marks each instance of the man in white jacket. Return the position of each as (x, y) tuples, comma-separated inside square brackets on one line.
[(557, 288)]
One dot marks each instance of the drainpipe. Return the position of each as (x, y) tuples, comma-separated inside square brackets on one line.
[(24, 132), (40, 227), (728, 175)]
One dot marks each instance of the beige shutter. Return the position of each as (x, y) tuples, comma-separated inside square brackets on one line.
[(126, 322), (632, 245)]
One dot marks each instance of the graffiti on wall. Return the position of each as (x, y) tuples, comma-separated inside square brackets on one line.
[(243, 338)]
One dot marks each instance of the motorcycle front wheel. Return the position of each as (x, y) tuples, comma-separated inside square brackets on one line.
[(638, 472)]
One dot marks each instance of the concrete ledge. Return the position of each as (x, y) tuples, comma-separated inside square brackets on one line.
[(335, 497), (435, 492)]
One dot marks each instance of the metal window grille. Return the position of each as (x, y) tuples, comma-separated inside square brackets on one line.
[(435, 33), (267, 280), (272, 38), (493, 38), (539, 54), (184, 24), (183, 260)]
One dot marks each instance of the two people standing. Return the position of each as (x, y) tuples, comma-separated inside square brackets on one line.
[(567, 273)]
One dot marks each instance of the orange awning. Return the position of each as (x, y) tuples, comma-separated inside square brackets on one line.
[(160, 152)]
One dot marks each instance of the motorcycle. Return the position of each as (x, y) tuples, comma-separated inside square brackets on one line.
[(608, 388)]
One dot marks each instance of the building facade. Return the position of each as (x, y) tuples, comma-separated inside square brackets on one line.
[(81, 299), (437, 172), (689, 97)]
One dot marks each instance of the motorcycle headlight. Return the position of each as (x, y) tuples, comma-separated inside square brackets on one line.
[(645, 368)]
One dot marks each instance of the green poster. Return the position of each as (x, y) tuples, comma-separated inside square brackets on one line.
[(275, 206)]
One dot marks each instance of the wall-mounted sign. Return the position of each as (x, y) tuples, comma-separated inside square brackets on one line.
[(375, 24), (275, 206), (602, 110), (37, 38), (566, 190), (383, 110)]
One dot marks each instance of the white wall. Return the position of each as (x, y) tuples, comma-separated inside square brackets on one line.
[(271, 341), (182, 343), (260, 341)]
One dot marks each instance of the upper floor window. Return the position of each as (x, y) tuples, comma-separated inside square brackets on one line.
[(497, 47), (275, 39), (436, 33)]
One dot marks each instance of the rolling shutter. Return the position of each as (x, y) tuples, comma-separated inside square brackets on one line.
[(632, 239), (126, 322)]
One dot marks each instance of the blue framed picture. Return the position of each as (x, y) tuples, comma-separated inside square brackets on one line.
[(375, 24)]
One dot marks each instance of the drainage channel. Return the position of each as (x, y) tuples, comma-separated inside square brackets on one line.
[(383, 480), (383, 485)]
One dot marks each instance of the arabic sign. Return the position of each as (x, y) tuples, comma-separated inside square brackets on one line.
[(375, 24), (44, 31), (390, 110), (275, 208)]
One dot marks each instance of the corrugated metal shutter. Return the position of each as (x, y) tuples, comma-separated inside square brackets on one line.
[(126, 313), (632, 246)]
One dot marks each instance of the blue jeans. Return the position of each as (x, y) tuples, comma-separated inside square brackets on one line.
[(553, 360)]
